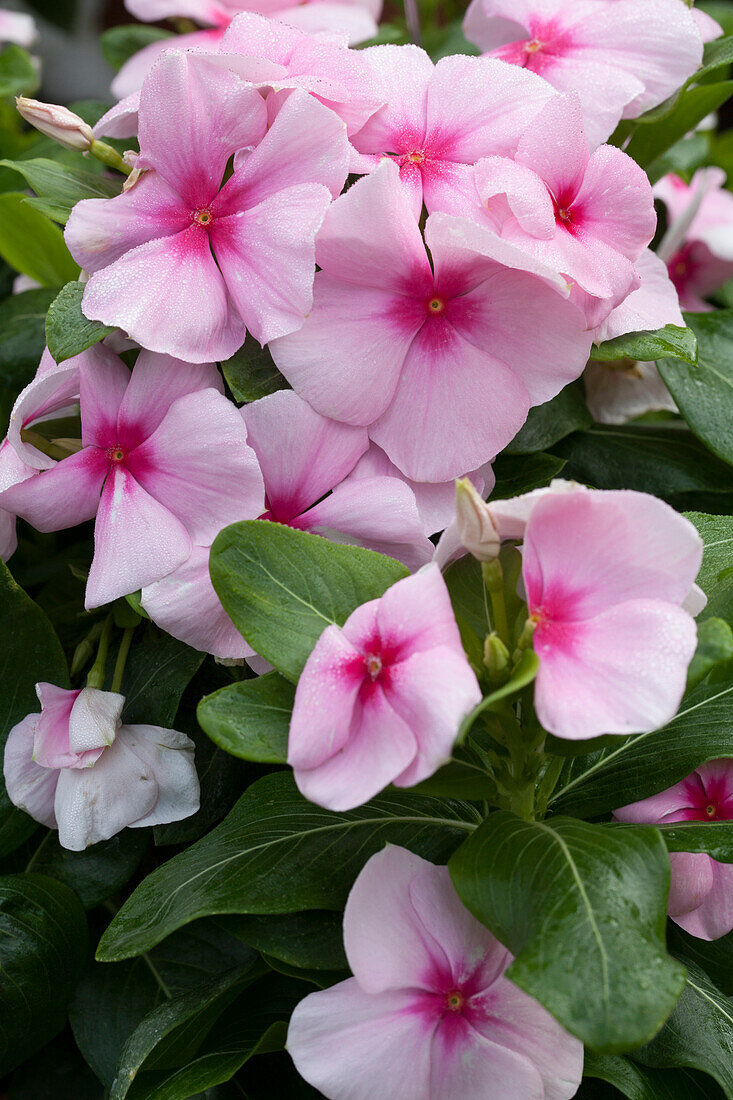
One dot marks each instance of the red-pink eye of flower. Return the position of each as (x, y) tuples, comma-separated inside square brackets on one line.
[(373, 665), (711, 810), (435, 305), (203, 217), (115, 454), (532, 46), (415, 158), (564, 214), (454, 1001)]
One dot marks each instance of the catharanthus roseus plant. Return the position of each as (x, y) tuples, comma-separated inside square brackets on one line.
[(366, 524)]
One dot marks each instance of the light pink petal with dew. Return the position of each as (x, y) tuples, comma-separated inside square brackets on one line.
[(379, 748), (616, 203), (53, 392), (94, 804), (170, 297), (669, 805), (387, 945), (12, 467), (589, 681), (593, 266), (158, 381), (554, 146), (479, 106), (402, 76), (30, 787), (8, 535), (317, 152), (346, 359), (585, 552), (170, 757), (445, 417), (206, 476), (370, 237), (100, 231), (62, 497), (654, 305), (416, 615), (302, 454), (102, 385), (526, 193), (465, 1064), (94, 720), (267, 258), (516, 1021), (489, 31), (136, 540), (432, 692), (713, 918), (185, 605), (379, 513), (325, 700), (181, 137), (353, 1045), (616, 395), (131, 77), (51, 747), (357, 23), (121, 120)]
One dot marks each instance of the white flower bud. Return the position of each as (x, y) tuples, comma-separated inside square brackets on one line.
[(57, 122), (476, 528)]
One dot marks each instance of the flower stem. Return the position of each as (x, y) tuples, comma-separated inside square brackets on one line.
[(412, 17), (122, 658), (494, 580), (95, 677), (109, 156)]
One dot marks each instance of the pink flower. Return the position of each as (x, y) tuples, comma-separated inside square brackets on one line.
[(621, 56), (74, 767), (12, 471), (163, 465), (588, 215), (420, 357), (606, 576), (428, 1014), (18, 28), (438, 120), (181, 263), (701, 895), (698, 245), (380, 700), (304, 459)]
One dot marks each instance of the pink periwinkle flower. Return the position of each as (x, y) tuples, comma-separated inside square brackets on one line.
[(621, 56), (18, 28), (429, 1014), (698, 245), (12, 471), (380, 700), (701, 894), (182, 263), (305, 459), (438, 120), (74, 767), (606, 576), (163, 465), (440, 365)]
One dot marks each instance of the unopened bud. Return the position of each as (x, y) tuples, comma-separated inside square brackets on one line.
[(57, 122), (476, 528), (496, 658)]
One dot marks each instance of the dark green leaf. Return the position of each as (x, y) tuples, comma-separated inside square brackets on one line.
[(18, 74), (157, 673), (647, 763), (551, 422), (61, 185), (43, 945), (699, 1033), (459, 779), (278, 853), (32, 244), (714, 956), (251, 372), (281, 587), (251, 719), (716, 574), (718, 54), (120, 43), (642, 1083), (644, 347), (311, 940), (23, 325), (652, 139), (98, 872), (522, 676), (68, 332), (714, 647), (58, 1073), (517, 474), (583, 910)]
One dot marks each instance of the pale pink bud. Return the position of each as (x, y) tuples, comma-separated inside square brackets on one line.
[(476, 528), (57, 122)]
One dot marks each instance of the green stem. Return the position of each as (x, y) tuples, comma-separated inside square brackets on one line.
[(95, 677), (109, 156), (548, 783), (34, 858), (122, 658), (494, 580)]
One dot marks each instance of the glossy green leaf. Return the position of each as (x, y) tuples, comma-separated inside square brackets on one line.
[(312, 940), (583, 910), (517, 474), (547, 424), (642, 1083), (459, 779), (68, 332), (716, 573), (32, 244), (645, 347), (18, 73), (250, 719), (281, 587), (43, 943), (277, 853), (120, 43), (251, 372), (61, 185), (23, 327), (158, 671), (715, 957), (713, 837), (652, 139), (98, 872), (714, 648)]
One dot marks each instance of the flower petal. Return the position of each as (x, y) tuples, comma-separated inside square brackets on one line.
[(63, 496), (170, 757), (30, 787)]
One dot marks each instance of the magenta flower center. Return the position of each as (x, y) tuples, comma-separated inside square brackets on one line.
[(455, 1001), (115, 453), (532, 46), (435, 305), (373, 664), (202, 217)]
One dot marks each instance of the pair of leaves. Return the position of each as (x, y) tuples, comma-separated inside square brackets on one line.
[(60, 187)]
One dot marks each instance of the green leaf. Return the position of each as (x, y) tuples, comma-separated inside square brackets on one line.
[(644, 347), (58, 1073), (714, 647), (34, 655), (23, 325), (713, 837), (43, 944), (251, 372), (250, 719), (62, 186), (18, 73), (718, 54), (459, 779), (98, 872), (715, 957), (517, 474), (641, 1083), (278, 853), (281, 587), (704, 392), (120, 43), (551, 422), (647, 763), (583, 910), (311, 940), (68, 332), (522, 676), (651, 139), (716, 573), (32, 244), (157, 673), (698, 1034)]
